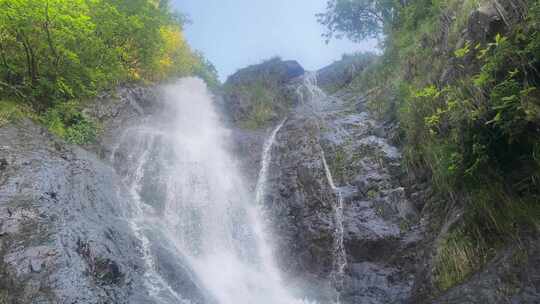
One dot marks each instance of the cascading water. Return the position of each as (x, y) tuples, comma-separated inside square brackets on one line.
[(265, 162), (260, 190), (310, 94), (202, 237), (340, 256), (315, 98)]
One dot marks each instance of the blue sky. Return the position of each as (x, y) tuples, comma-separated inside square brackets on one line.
[(236, 33)]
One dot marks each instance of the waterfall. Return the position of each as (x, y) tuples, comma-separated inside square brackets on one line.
[(202, 235), (340, 256), (260, 190), (316, 102), (309, 92), (265, 162)]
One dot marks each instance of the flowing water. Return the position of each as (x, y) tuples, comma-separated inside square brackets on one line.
[(266, 158), (199, 228), (315, 99), (310, 94), (260, 191), (340, 256)]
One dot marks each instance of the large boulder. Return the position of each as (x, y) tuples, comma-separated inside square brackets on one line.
[(258, 95), (274, 70), (340, 73)]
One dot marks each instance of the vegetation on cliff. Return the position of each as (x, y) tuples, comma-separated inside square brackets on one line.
[(462, 78), (256, 95), (55, 53)]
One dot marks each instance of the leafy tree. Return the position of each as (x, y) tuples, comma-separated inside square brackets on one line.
[(357, 19), (207, 71), (42, 43), (54, 50), (473, 132), (57, 51)]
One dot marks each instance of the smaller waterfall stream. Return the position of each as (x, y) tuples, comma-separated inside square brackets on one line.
[(340, 256), (260, 190), (312, 96), (265, 163)]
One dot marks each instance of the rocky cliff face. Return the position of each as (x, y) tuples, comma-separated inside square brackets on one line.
[(348, 222), (66, 214), (374, 228), (387, 227), (343, 224), (64, 237), (339, 74), (257, 95)]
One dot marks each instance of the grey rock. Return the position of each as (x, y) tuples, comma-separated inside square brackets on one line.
[(269, 79), (275, 68), (65, 214), (340, 73), (65, 238)]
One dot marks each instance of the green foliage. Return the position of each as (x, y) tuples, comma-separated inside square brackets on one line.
[(58, 50), (11, 111), (67, 121), (492, 218), (474, 131), (478, 124), (261, 111), (462, 52), (457, 257), (357, 19), (256, 95), (206, 71)]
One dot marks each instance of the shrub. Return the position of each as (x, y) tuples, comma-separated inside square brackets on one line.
[(68, 122), (60, 50), (474, 132), (457, 257), (11, 111), (262, 105)]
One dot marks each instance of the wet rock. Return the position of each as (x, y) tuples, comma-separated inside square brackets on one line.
[(247, 145), (485, 23), (118, 111), (300, 200), (3, 164), (50, 200), (301, 203), (107, 272), (65, 231), (182, 279), (374, 284)]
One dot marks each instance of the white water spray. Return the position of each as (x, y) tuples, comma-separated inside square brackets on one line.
[(310, 94), (265, 163), (189, 199)]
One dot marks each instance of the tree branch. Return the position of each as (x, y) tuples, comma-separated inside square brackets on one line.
[(14, 89), (49, 38)]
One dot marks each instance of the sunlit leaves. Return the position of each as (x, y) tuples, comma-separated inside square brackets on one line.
[(54, 50)]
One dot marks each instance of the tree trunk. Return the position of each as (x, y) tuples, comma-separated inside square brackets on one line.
[(49, 37), (29, 65)]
